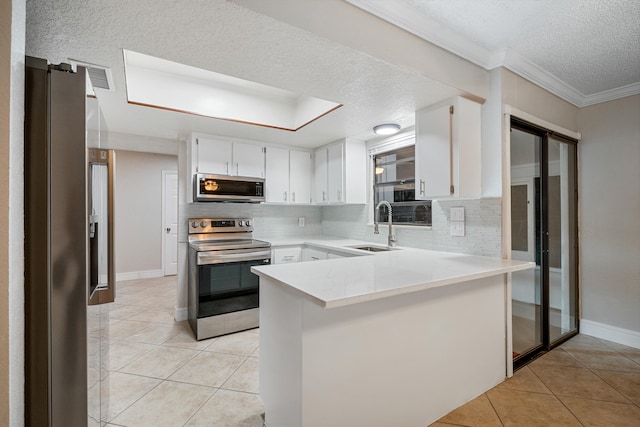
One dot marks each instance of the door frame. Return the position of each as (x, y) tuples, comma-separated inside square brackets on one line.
[(165, 173), (545, 129)]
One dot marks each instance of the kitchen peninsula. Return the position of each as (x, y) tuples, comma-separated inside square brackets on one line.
[(396, 338)]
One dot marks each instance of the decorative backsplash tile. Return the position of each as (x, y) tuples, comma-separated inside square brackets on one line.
[(482, 222)]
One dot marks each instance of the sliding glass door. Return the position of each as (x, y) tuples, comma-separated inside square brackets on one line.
[(544, 231)]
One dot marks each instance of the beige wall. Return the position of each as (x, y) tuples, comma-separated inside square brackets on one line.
[(528, 97), (139, 210), (609, 179), (5, 84)]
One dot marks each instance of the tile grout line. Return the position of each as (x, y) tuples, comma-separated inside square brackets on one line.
[(494, 408)]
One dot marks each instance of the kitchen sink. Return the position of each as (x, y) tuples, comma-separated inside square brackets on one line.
[(373, 248)]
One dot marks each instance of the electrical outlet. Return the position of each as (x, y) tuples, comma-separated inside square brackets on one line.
[(456, 228), (301, 221), (457, 214)]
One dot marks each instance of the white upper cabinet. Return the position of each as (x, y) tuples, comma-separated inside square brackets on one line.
[(212, 156), (248, 160), (341, 173), (335, 173), (277, 175), (300, 172), (288, 176), (215, 156), (320, 176), (448, 157)]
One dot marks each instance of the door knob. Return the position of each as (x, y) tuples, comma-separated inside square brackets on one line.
[(168, 229)]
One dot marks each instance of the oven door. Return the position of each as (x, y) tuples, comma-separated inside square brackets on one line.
[(225, 281)]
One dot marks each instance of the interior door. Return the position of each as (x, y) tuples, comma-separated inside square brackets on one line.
[(170, 222)]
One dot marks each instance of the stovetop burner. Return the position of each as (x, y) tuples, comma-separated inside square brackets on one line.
[(221, 234)]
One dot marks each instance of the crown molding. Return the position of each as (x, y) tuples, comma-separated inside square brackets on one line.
[(532, 72), (610, 95), (404, 16)]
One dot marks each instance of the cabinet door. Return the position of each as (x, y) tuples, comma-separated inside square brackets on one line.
[(320, 176), (286, 255), (248, 160), (312, 254), (433, 153), (277, 175), (300, 176), (335, 171), (213, 156)]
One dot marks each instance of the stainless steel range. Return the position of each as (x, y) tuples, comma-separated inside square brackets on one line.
[(223, 292)]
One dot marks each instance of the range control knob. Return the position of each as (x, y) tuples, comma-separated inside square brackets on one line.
[(240, 223), (247, 223), (194, 224), (203, 224)]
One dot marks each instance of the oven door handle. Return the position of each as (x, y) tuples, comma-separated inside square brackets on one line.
[(205, 258)]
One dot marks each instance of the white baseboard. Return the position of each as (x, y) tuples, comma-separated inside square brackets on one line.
[(610, 333), (182, 313), (133, 275)]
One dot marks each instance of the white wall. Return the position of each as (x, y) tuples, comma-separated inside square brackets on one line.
[(138, 212), (12, 50), (609, 179)]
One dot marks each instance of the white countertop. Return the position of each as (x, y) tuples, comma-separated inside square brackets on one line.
[(345, 281)]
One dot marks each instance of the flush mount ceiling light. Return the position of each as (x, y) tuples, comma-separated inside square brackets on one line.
[(387, 129)]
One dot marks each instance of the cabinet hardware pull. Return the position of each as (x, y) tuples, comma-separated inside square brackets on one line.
[(285, 196), (422, 187), (237, 170), (227, 165), (293, 196), (339, 195), (324, 196)]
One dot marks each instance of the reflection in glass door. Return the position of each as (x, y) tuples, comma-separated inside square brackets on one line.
[(544, 231)]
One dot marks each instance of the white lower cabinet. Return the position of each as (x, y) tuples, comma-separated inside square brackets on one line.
[(286, 255), (313, 254)]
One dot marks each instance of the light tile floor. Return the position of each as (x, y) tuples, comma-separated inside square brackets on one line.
[(157, 375)]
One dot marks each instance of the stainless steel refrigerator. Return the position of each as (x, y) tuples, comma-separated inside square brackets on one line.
[(69, 263)]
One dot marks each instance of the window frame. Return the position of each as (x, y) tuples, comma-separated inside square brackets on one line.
[(401, 140)]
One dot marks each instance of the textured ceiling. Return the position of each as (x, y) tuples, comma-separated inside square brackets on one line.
[(224, 37), (587, 46), (591, 46)]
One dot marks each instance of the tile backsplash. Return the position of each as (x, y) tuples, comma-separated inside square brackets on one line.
[(482, 227), (482, 223), (268, 220)]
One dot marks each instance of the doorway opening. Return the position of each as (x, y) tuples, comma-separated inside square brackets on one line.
[(544, 230)]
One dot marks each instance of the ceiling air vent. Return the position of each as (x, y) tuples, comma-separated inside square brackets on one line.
[(99, 75)]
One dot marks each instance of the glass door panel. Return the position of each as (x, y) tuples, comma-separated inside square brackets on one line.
[(561, 190), (525, 219)]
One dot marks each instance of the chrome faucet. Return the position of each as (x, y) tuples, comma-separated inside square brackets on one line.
[(392, 239)]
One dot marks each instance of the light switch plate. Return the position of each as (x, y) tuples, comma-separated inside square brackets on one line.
[(301, 221), (457, 214), (457, 228)]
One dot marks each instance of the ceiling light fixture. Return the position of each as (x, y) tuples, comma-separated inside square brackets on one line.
[(387, 129)]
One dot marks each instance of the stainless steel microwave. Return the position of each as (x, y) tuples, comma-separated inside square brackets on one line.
[(225, 188)]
